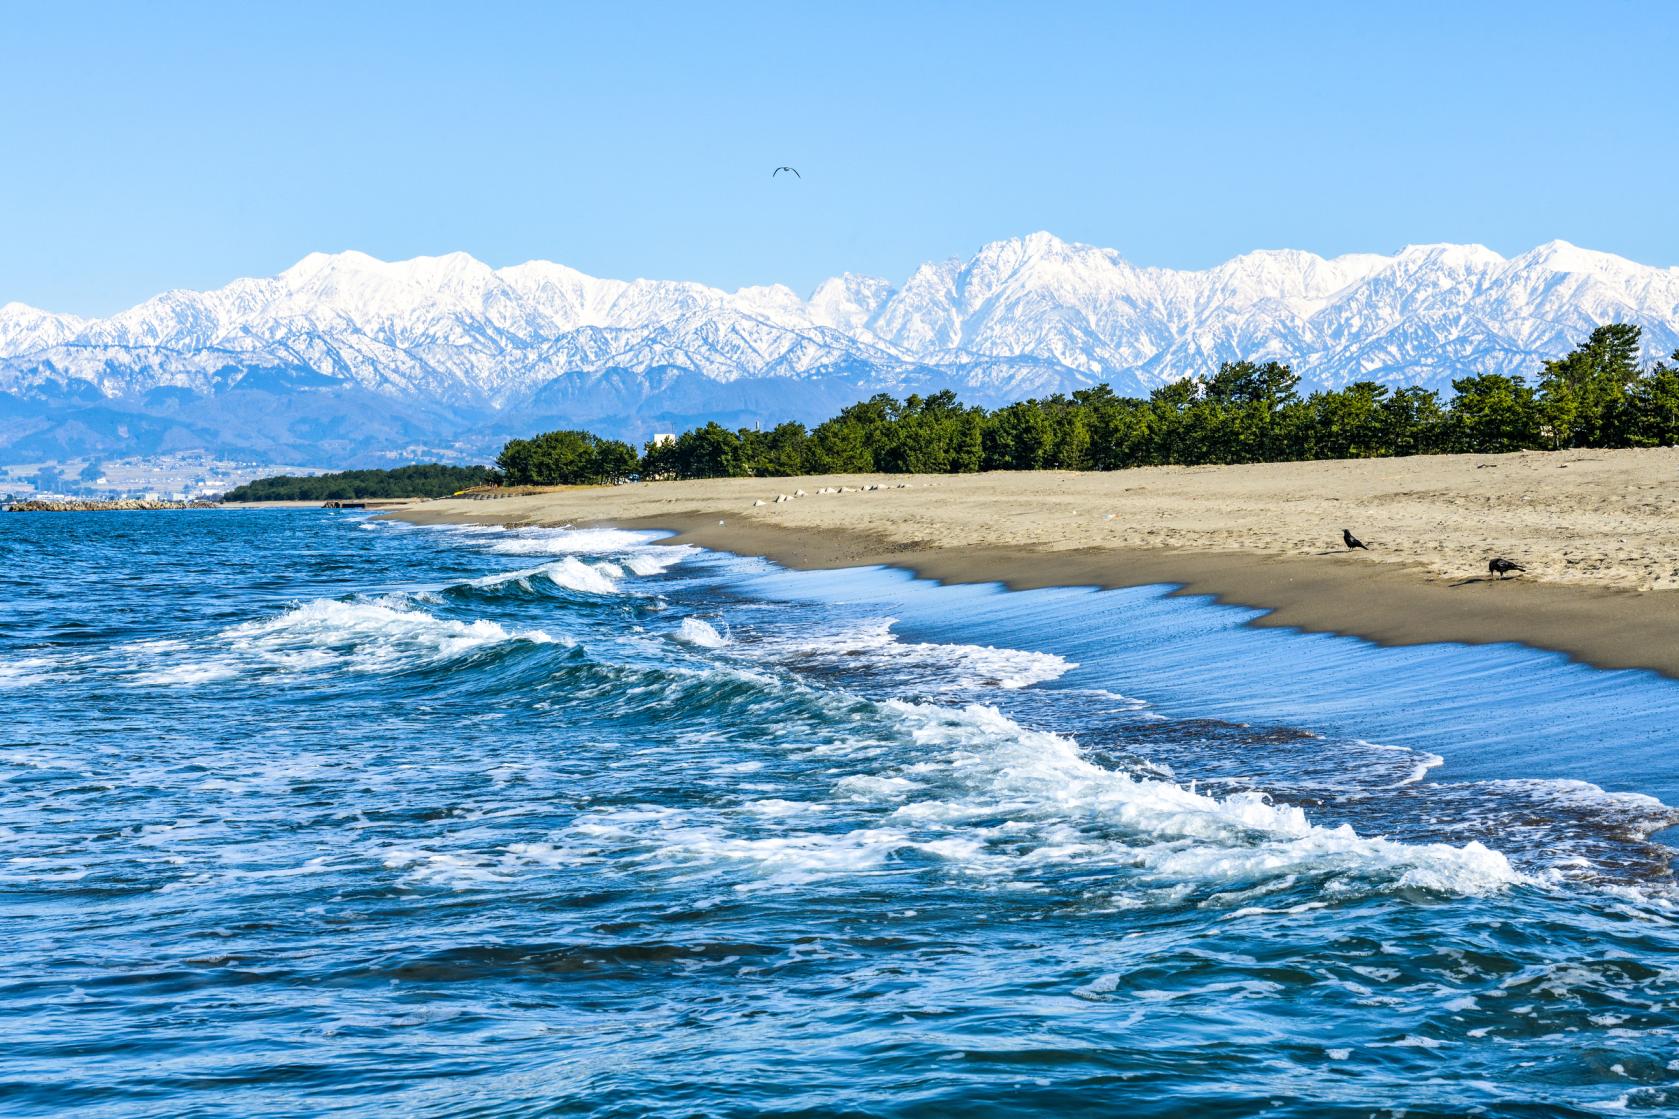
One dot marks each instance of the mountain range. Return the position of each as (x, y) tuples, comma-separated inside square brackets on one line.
[(344, 359)]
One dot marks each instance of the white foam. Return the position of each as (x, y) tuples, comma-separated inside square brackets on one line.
[(632, 553), (789, 859), (775, 806), (947, 666), (26, 672), (986, 767), (573, 574), (446, 868), (1422, 761), (569, 541), (502, 578), (696, 631), (988, 798), (188, 673), (645, 564), (364, 637), (873, 788), (1564, 791)]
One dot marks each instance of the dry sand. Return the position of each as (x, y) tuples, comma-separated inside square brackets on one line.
[(1598, 531)]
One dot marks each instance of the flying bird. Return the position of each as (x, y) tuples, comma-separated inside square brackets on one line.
[(782, 168), (1498, 565), (1352, 541)]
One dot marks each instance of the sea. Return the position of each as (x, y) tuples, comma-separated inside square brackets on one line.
[(306, 813)]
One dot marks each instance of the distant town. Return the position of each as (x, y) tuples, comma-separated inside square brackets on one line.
[(187, 476)]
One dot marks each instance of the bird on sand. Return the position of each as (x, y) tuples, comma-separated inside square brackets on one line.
[(1352, 541), (1498, 565), (784, 167)]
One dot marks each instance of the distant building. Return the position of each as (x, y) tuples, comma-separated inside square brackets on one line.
[(663, 438)]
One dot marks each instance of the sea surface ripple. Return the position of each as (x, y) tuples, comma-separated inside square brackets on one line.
[(306, 814)]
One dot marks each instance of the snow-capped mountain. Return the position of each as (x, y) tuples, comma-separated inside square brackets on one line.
[(441, 353)]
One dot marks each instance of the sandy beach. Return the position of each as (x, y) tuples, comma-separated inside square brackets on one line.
[(1597, 530)]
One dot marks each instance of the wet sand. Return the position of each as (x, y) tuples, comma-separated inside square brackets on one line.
[(1597, 530)]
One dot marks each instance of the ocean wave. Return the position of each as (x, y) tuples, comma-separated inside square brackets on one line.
[(997, 769), (1573, 830), (932, 666), (570, 574), (187, 674), (367, 637), (973, 792), (382, 636), (29, 672), (572, 542), (696, 631), (645, 564)]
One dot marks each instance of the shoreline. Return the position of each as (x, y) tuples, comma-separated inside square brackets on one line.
[(1397, 597), (1313, 598)]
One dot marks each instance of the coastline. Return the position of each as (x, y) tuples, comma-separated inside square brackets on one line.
[(1256, 537)]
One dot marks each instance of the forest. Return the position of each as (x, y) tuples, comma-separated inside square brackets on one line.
[(423, 480), (1595, 396)]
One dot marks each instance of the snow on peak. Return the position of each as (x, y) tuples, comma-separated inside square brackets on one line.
[(1562, 256), (450, 326), (1443, 254)]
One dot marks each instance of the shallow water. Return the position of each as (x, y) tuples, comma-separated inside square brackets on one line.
[(308, 814)]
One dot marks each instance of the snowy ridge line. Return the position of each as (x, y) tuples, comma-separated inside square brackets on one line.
[(1026, 313)]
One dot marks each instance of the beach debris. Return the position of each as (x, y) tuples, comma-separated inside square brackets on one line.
[(719, 522), (1352, 541), (1107, 516), (1499, 566)]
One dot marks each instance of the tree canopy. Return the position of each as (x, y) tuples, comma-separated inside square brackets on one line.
[(1595, 396), (421, 480), (1246, 412), (566, 458)]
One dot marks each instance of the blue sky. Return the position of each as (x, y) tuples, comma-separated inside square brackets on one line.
[(176, 145)]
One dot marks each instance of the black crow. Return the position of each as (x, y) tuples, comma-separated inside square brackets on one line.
[(1352, 541), (1498, 565), (782, 168)]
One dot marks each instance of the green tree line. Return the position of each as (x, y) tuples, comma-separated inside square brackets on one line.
[(423, 480), (1596, 396)]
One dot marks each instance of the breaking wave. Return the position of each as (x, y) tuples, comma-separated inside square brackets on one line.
[(333, 787), (972, 791), (328, 635), (570, 574), (932, 666), (697, 631)]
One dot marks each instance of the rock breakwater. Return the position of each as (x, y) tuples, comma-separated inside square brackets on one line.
[(90, 505)]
